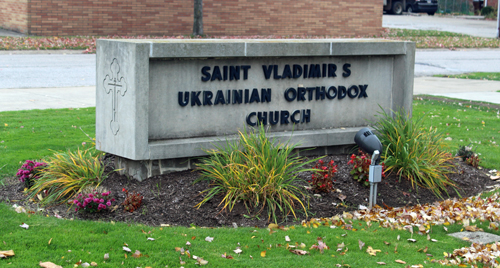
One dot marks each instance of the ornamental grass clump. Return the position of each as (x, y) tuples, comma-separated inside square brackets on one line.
[(30, 172), (413, 152), (67, 173), (256, 170)]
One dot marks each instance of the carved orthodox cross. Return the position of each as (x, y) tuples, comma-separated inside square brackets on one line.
[(115, 85)]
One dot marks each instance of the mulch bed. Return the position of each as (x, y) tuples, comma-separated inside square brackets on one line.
[(171, 198)]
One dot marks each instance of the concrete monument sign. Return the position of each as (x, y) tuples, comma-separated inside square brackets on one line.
[(160, 102)]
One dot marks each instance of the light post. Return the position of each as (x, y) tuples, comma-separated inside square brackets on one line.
[(369, 143)]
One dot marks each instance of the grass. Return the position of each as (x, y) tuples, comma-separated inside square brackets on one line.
[(422, 38), (477, 76), (462, 123), (414, 152), (67, 173), (256, 170), (65, 242), (33, 134)]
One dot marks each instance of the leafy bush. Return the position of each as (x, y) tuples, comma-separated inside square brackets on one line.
[(29, 172), (413, 152), (93, 202), (322, 178), (256, 170), (67, 173), (473, 161), (361, 167), (132, 200), (487, 11), (464, 152)]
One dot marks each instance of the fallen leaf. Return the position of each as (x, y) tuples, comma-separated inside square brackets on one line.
[(209, 239), (299, 251), (381, 263), (361, 244), (85, 264), (372, 252), (473, 228), (151, 239), (201, 261), (127, 249), (106, 256), (237, 251), (287, 239), (24, 225), (387, 243), (412, 240), (7, 253), (137, 254), (400, 261), (49, 265), (93, 264), (263, 254), (50, 240), (273, 226)]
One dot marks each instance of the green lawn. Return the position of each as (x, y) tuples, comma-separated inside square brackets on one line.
[(478, 76), (33, 134), (65, 242), (464, 123)]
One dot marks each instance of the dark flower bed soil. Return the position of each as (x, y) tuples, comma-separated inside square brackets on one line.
[(171, 199)]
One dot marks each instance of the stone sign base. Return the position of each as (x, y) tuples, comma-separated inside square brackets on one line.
[(141, 170), (162, 103)]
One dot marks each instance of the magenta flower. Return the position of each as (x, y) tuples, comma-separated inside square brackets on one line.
[(108, 203)]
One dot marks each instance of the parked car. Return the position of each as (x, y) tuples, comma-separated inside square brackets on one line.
[(412, 6)]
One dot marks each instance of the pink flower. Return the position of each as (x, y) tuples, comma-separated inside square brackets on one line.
[(75, 201), (96, 200), (91, 195), (320, 161), (101, 206), (101, 201), (108, 203)]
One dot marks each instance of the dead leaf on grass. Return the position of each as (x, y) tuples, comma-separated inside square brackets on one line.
[(137, 254), (7, 253), (361, 244), (400, 261), (49, 265), (299, 251), (372, 252)]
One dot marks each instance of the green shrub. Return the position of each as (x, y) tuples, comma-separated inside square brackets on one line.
[(67, 173), (413, 152), (464, 152), (487, 11), (255, 170)]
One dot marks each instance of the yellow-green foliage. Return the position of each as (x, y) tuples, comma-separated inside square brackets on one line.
[(413, 152), (255, 170), (67, 173)]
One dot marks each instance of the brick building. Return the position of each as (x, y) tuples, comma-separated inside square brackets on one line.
[(175, 17)]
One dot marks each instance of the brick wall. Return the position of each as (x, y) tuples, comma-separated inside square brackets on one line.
[(220, 17), (14, 15), (493, 3)]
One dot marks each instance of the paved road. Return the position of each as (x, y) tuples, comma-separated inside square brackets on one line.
[(430, 62), (66, 69), (58, 69), (474, 27)]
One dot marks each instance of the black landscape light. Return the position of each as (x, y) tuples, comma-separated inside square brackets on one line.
[(369, 143)]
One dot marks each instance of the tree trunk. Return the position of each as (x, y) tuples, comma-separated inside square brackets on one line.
[(198, 18)]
